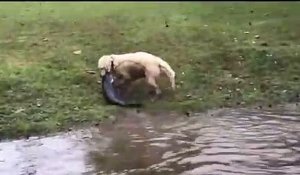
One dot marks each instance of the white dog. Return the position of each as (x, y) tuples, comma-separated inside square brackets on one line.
[(133, 66)]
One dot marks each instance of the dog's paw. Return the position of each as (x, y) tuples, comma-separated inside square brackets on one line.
[(156, 97)]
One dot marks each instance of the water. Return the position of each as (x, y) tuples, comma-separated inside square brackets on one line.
[(227, 142)]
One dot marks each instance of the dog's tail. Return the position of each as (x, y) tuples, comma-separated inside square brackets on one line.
[(166, 68)]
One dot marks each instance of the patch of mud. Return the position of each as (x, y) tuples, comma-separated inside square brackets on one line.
[(219, 142)]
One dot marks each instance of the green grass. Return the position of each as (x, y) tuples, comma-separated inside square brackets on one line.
[(44, 86)]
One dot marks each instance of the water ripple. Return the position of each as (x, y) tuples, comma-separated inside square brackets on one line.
[(230, 142)]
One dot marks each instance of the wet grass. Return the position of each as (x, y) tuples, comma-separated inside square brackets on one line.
[(225, 55)]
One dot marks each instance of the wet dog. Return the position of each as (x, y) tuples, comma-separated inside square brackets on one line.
[(133, 66)]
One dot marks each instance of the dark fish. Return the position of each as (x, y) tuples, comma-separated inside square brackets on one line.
[(112, 94)]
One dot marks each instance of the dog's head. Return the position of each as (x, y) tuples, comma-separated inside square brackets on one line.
[(105, 64)]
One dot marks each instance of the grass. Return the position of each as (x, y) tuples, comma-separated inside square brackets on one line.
[(213, 47)]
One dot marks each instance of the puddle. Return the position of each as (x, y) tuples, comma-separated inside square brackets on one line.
[(229, 142)]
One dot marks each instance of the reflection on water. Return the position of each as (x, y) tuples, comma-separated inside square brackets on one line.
[(225, 142)]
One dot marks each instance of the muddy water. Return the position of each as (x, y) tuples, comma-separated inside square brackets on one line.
[(227, 142)]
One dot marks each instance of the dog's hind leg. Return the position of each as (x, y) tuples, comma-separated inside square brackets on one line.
[(151, 74), (166, 68)]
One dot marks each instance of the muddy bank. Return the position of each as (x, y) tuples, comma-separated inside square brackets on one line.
[(227, 141)]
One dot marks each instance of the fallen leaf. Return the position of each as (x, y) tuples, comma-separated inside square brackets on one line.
[(188, 95), (19, 110), (91, 72), (77, 52)]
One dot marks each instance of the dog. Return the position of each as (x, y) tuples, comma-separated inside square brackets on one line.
[(130, 67)]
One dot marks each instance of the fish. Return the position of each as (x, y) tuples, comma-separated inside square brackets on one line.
[(112, 94)]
